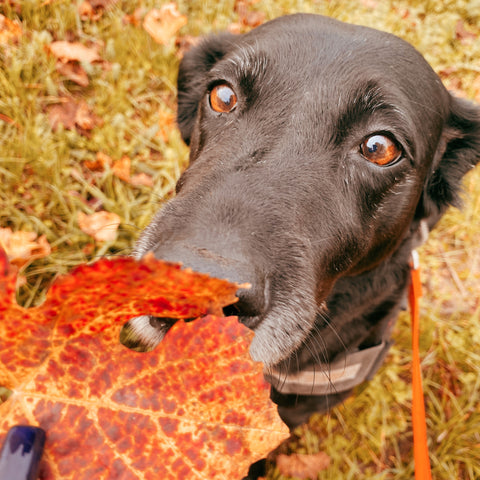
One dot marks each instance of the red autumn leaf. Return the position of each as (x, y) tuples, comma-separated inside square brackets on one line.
[(195, 408)]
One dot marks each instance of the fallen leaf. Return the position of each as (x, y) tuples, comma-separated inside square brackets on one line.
[(136, 18), (236, 28), (68, 51), (185, 43), (101, 162), (306, 467), (94, 9), (74, 72), (72, 114), (70, 56), (248, 17), (196, 408), (102, 226), (141, 179), (164, 23), (86, 11), (462, 33), (121, 168), (63, 113), (84, 118), (370, 3), (21, 247), (166, 123), (10, 31)]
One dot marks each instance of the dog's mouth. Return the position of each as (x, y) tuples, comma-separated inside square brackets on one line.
[(277, 333), (144, 333), (251, 322)]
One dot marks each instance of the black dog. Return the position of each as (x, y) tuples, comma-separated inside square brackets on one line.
[(321, 155)]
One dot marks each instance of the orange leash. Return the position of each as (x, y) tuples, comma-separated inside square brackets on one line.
[(420, 445)]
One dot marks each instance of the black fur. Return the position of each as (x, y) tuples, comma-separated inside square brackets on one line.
[(279, 195)]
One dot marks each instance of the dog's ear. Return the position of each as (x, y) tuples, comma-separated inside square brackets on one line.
[(191, 82), (459, 152)]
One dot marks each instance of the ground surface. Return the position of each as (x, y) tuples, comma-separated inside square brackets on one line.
[(121, 103)]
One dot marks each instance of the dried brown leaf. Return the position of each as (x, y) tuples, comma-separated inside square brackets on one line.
[(462, 33), (22, 247), (68, 51), (73, 71), (94, 9), (247, 16), (83, 117), (306, 467), (136, 18), (164, 23), (141, 179), (102, 160), (102, 226), (73, 114), (166, 123), (10, 31), (121, 168), (185, 43)]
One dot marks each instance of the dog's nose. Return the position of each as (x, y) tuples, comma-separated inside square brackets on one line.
[(252, 294), (250, 307)]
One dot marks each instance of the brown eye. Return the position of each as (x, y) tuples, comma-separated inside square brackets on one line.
[(222, 99), (380, 149)]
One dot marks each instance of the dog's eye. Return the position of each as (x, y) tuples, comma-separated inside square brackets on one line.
[(222, 99), (380, 149)]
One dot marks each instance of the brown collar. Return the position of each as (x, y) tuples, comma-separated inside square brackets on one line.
[(339, 376)]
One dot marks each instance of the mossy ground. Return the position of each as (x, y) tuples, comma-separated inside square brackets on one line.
[(44, 184)]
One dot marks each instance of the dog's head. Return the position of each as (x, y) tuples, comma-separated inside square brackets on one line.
[(317, 147)]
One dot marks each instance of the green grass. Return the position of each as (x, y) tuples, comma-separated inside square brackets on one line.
[(45, 185)]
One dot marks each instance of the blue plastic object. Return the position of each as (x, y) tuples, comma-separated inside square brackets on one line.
[(21, 453)]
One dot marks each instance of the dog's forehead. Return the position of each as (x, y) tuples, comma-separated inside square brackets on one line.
[(316, 47), (313, 47), (324, 36), (329, 60)]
